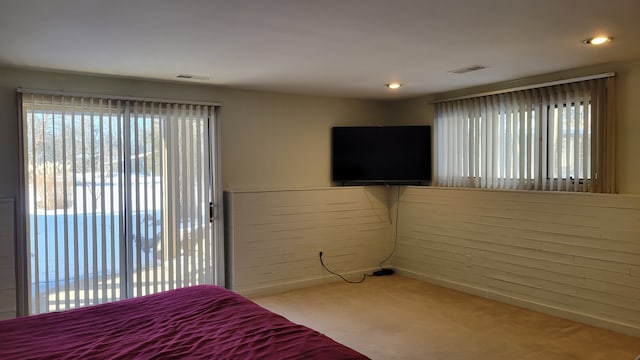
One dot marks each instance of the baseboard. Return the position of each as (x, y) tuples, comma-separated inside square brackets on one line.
[(588, 319), (298, 284), (5, 315), (444, 283)]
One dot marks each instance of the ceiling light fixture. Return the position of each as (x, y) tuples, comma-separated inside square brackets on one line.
[(598, 40), (394, 85)]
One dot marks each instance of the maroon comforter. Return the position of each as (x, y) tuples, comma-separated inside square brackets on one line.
[(201, 322)]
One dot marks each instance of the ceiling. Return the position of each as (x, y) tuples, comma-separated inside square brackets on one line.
[(347, 48)]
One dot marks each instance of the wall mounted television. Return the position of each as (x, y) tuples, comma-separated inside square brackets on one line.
[(364, 155)]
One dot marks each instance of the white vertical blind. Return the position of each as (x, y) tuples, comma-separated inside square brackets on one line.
[(118, 195), (551, 138)]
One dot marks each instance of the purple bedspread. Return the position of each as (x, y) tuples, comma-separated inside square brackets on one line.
[(200, 322)]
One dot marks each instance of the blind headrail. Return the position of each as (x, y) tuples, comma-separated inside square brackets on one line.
[(528, 87), (112, 97)]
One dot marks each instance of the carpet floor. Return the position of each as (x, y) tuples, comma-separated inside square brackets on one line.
[(395, 317)]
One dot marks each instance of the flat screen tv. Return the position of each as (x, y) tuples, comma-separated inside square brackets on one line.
[(381, 155)]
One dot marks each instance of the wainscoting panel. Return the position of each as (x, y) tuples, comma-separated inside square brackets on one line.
[(273, 237), (572, 255), (7, 264)]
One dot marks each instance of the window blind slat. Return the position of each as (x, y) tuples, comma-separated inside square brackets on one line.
[(586, 138), (483, 152), (495, 142), (85, 222), (103, 206), (533, 146), (33, 246), (566, 137), (577, 108), (94, 215), (174, 198), (188, 161), (54, 188), (154, 119), (202, 220), (521, 148), (544, 150), (122, 110), (135, 218), (65, 230), (163, 213), (193, 216), (559, 174), (509, 142), (184, 195), (76, 242), (144, 220), (112, 228)]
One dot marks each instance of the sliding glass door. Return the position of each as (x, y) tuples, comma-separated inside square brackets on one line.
[(119, 199)]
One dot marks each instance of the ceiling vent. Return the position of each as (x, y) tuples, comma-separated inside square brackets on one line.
[(192, 77), (467, 69)]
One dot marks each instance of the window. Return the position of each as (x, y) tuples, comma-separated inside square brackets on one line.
[(557, 138), (573, 154), (117, 199)]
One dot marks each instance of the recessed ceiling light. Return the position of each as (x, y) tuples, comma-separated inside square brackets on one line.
[(394, 85), (598, 40)]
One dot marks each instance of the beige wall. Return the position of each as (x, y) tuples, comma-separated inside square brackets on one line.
[(269, 140), (273, 141), (420, 111)]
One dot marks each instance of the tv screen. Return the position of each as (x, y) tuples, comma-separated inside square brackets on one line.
[(381, 154)]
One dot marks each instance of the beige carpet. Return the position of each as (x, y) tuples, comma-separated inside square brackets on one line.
[(400, 318)]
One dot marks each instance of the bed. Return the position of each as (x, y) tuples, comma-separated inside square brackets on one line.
[(199, 322)]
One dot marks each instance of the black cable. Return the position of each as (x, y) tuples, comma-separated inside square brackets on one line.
[(395, 240), (364, 276), (389, 202)]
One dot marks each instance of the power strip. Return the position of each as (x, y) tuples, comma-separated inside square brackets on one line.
[(383, 272)]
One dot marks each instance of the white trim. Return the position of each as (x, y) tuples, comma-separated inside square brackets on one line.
[(112, 97), (495, 295), (215, 163), (317, 188), (528, 87), (21, 250), (280, 287)]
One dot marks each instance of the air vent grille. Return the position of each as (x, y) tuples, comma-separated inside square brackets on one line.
[(192, 77), (467, 69)]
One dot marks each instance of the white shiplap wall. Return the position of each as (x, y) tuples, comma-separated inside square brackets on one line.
[(7, 265), (273, 237), (571, 255)]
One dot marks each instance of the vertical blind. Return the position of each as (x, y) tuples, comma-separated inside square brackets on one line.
[(549, 138), (117, 198)]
